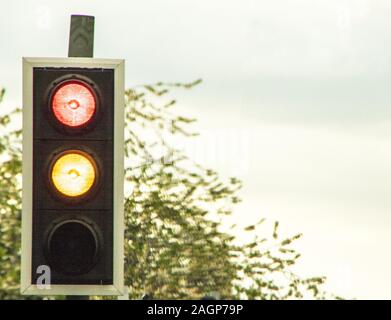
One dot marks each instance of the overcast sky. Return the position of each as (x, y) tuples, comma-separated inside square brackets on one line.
[(295, 101)]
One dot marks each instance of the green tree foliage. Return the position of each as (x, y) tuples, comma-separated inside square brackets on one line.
[(175, 243), (10, 207)]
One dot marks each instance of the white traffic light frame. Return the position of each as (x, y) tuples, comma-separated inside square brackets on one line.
[(27, 287)]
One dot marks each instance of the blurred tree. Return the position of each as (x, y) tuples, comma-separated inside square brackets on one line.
[(175, 246)]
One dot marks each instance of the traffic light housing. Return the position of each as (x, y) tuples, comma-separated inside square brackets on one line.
[(72, 216)]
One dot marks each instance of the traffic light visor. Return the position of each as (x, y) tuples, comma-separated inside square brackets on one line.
[(73, 174), (73, 104)]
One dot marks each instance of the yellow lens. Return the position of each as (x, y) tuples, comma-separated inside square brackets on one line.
[(73, 174)]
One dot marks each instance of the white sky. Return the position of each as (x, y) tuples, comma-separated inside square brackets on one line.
[(295, 101)]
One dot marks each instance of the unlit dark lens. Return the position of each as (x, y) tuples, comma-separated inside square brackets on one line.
[(73, 248)]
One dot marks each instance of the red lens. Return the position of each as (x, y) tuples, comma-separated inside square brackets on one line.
[(73, 104)]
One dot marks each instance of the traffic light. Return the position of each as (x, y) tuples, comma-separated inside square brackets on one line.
[(72, 215)]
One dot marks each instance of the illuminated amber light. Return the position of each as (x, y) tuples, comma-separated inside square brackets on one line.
[(73, 174), (73, 104)]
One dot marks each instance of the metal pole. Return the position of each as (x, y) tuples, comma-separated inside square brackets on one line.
[(81, 44), (81, 36)]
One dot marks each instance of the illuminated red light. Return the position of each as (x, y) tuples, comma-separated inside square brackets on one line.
[(73, 104)]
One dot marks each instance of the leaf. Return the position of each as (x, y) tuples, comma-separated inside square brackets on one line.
[(250, 228), (275, 230)]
